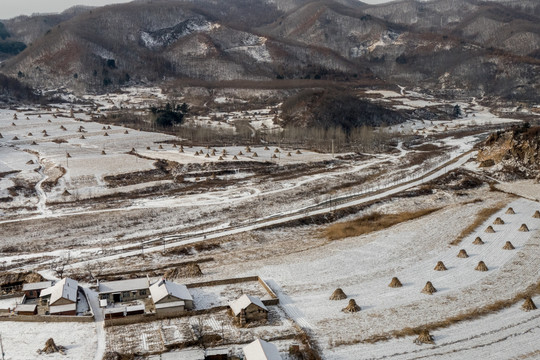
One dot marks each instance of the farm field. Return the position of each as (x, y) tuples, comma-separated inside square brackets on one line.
[(104, 201)]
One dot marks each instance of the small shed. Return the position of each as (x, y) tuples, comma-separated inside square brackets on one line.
[(261, 350), (170, 297), (121, 311), (26, 309), (249, 308), (123, 290), (32, 290)]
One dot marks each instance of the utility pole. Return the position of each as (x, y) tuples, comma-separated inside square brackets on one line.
[(2, 347)]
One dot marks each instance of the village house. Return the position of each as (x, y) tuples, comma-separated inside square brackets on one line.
[(248, 308), (261, 350), (170, 297), (26, 309), (61, 298), (113, 292), (32, 290)]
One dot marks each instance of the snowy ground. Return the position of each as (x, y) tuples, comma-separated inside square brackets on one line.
[(22, 340)]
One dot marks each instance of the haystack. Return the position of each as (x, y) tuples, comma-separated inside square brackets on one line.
[(30, 162), (63, 128), (30, 134), (160, 147), (104, 128), (234, 157), (224, 152), (39, 116), (174, 146), (481, 267), (462, 254), (68, 155), (133, 150), (43, 131), (289, 154), (13, 124), (489, 229), (14, 116), (429, 288), (148, 148), (15, 138), (106, 134), (523, 228), (440, 266), (395, 283), (528, 305), (351, 307), (49, 120), (190, 270), (478, 241), (274, 156), (510, 211), (536, 213), (213, 152), (498, 221), (508, 246), (51, 347), (45, 135), (220, 158), (103, 152), (207, 156), (33, 143), (298, 152), (197, 153), (248, 149), (424, 338), (277, 150), (255, 154), (66, 193), (126, 132), (82, 137), (266, 148), (181, 150), (240, 153), (338, 294), (109, 127)]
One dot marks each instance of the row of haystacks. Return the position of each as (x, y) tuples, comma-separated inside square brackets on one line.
[(424, 336)]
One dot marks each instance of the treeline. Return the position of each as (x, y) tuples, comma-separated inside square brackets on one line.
[(329, 108), (12, 89)]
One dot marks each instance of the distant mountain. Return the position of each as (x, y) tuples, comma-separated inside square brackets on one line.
[(448, 46)]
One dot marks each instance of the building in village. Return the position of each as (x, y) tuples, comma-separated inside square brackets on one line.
[(170, 297), (32, 290), (114, 292), (261, 350), (61, 298), (248, 308)]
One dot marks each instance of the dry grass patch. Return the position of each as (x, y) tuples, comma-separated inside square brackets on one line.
[(481, 217), (372, 222)]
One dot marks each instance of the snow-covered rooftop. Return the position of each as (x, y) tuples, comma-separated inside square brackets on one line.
[(261, 350), (162, 288), (243, 302), (62, 308), (37, 286), (123, 285), (64, 289)]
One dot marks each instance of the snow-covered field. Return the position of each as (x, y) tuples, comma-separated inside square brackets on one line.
[(22, 340), (40, 185)]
